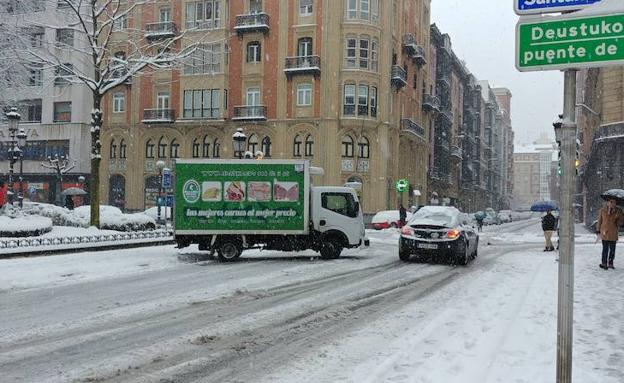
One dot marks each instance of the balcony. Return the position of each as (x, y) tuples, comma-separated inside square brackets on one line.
[(398, 76), (409, 44), (456, 153), (444, 79), (447, 114), (162, 30), (420, 56), (431, 103), (250, 113), (254, 22), (152, 116), (303, 65), (410, 126)]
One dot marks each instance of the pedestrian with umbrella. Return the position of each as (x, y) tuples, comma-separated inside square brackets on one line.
[(549, 222), (610, 218), (480, 216)]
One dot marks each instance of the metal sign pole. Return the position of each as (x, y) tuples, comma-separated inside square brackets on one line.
[(567, 137)]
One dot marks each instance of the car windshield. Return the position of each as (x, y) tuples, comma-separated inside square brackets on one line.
[(435, 216)]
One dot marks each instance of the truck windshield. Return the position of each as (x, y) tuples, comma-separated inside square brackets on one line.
[(341, 203)]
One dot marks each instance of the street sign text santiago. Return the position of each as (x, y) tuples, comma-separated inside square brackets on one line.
[(527, 7), (566, 43)]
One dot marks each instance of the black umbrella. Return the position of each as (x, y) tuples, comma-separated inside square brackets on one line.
[(616, 194), (73, 191)]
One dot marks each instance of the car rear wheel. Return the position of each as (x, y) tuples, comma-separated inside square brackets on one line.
[(462, 256)]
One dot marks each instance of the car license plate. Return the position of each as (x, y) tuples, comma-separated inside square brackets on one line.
[(431, 246)]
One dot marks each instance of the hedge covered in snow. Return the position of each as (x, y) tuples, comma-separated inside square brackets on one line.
[(24, 226)]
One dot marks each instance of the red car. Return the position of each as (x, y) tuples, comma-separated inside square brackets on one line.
[(387, 219)]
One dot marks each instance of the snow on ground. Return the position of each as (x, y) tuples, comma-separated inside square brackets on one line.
[(69, 231)]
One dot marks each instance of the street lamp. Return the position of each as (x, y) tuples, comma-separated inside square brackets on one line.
[(160, 165), (14, 119), (21, 142), (238, 142)]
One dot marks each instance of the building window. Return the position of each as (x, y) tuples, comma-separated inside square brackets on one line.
[(266, 146), (363, 10), (364, 148), (253, 96), (119, 103), (347, 146), (205, 59), (174, 149), (162, 148), (206, 147), (62, 111), (30, 110), (351, 53), (63, 74), (149, 149), (203, 14), (297, 146), (216, 148), (349, 100), (374, 56), (122, 149), (364, 45), (202, 103), (304, 94), (309, 146), (164, 15), (35, 77), (252, 144), (65, 36), (352, 9), (36, 38), (304, 47), (162, 101), (305, 7), (363, 100), (121, 22), (373, 101), (195, 148), (255, 6), (112, 150), (253, 52)]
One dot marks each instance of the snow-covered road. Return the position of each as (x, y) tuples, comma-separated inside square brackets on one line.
[(166, 315)]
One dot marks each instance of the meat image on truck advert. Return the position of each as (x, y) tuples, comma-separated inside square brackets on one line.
[(227, 196)]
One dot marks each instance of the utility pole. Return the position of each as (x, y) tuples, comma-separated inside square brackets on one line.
[(566, 135)]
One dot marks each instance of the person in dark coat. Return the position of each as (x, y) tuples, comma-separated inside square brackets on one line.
[(549, 224), (610, 218), (402, 216), (69, 202)]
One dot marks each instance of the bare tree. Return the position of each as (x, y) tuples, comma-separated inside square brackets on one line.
[(61, 166), (94, 22)]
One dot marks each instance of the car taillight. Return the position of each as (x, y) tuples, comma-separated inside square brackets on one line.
[(406, 230), (453, 234)]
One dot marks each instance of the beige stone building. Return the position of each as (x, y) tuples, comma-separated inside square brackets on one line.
[(344, 84)]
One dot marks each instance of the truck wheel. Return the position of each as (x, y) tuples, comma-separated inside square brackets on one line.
[(331, 249), (229, 250)]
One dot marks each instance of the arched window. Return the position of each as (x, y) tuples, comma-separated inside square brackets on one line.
[(195, 148), (113, 150), (266, 146), (364, 148), (347, 146), (216, 148), (174, 149), (149, 149), (254, 53), (122, 149), (309, 146), (252, 144), (206, 147), (297, 146), (162, 147)]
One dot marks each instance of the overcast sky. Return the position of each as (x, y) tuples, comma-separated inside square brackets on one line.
[(483, 34)]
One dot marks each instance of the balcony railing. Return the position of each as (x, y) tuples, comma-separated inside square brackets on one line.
[(158, 115), (419, 56), (250, 112), (254, 22), (303, 65), (398, 76), (447, 114), (410, 126), (444, 79), (165, 29), (456, 153), (409, 43), (431, 103)]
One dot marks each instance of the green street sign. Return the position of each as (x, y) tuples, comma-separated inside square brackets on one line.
[(570, 42), (402, 185)]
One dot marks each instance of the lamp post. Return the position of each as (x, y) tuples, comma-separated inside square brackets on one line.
[(14, 119), (238, 142), (160, 165), (21, 142)]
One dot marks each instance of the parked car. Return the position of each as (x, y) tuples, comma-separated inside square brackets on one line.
[(387, 219), (440, 232)]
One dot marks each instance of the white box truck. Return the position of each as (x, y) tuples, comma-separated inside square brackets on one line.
[(227, 206)]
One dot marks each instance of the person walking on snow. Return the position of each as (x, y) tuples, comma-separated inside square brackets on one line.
[(610, 218), (402, 216), (479, 223), (549, 223)]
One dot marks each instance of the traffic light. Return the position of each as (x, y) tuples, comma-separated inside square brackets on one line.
[(577, 161)]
